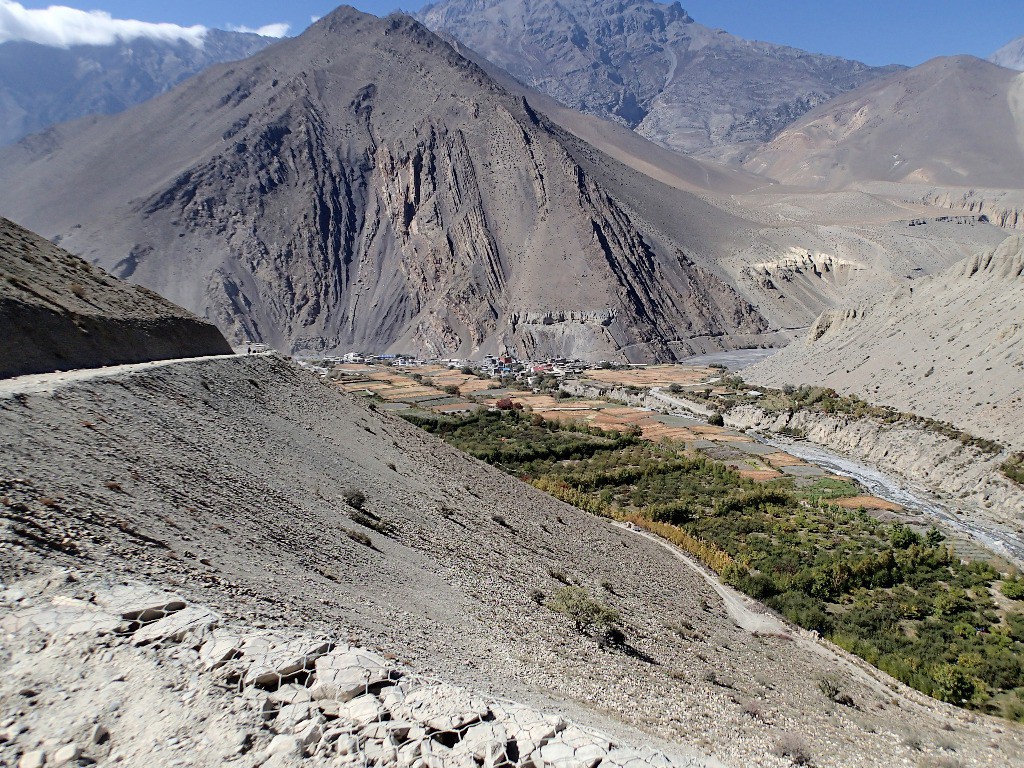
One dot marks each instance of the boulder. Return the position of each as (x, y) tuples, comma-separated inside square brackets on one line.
[(176, 626), (486, 742), (133, 603), (441, 707), (221, 647), (363, 710), (346, 674), (280, 662), (527, 727), (572, 748)]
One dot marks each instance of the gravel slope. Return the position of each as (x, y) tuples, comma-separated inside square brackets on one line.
[(222, 480)]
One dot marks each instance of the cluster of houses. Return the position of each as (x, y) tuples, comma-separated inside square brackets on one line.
[(494, 366)]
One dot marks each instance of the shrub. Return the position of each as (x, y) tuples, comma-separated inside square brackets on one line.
[(367, 521), (1013, 588), (451, 389), (792, 747), (716, 420), (354, 498), (585, 612), (360, 538)]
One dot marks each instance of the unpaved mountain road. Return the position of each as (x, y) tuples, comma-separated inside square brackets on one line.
[(39, 383), (737, 606)]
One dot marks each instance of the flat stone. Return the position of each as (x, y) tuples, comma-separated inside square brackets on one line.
[(344, 675), (177, 626), (622, 757), (572, 748), (68, 618), (309, 733), (221, 647), (527, 727), (441, 707), (284, 661), (484, 741), (363, 710), (33, 759), (290, 694), (285, 744), (134, 603), (290, 715)]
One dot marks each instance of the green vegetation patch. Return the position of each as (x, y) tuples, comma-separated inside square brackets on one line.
[(892, 595), (1013, 468)]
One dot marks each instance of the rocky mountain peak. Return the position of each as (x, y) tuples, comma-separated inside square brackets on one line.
[(650, 66)]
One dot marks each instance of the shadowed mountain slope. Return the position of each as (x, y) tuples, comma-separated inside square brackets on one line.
[(41, 85), (364, 186), (650, 66), (951, 121), (59, 312)]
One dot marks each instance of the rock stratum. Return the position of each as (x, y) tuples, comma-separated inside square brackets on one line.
[(222, 482), (365, 186), (650, 66), (41, 85), (950, 347), (59, 312)]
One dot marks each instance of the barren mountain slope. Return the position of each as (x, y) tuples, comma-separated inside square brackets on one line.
[(650, 66), (1010, 55), (365, 186), (59, 312), (952, 348), (42, 85), (951, 121), (223, 480)]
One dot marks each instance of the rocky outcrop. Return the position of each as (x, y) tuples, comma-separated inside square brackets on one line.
[(999, 207), (1010, 55), (59, 313), (949, 347), (293, 698), (650, 66)]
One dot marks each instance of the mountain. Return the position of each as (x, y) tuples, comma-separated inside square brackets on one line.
[(364, 186), (59, 312), (955, 121), (1010, 55), (651, 66), (951, 347), (41, 85)]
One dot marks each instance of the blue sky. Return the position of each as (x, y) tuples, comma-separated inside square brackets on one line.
[(875, 31)]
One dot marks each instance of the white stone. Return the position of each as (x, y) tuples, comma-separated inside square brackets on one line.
[(283, 661), (309, 733), (285, 744), (139, 603), (527, 727), (634, 758), (34, 759), (363, 710), (486, 742), (66, 754), (346, 674), (177, 626), (441, 707), (220, 648)]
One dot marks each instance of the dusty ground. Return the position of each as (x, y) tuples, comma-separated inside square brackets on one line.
[(222, 480)]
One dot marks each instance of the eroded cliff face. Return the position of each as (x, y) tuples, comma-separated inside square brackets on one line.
[(1002, 208), (365, 187), (967, 476)]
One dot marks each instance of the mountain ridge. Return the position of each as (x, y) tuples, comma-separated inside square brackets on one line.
[(651, 66), (42, 85), (421, 228)]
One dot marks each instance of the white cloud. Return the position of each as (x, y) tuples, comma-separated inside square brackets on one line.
[(61, 27), (268, 30)]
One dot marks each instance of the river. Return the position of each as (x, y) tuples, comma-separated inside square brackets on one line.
[(1000, 541)]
